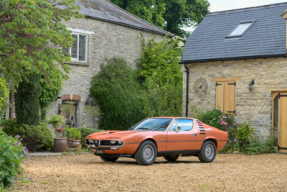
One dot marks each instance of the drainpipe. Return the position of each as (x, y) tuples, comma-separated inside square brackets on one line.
[(187, 89)]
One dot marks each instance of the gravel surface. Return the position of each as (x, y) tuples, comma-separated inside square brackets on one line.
[(87, 172)]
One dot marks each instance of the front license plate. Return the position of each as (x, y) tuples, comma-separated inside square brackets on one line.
[(100, 152)]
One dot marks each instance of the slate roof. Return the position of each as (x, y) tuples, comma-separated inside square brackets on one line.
[(107, 11), (265, 38)]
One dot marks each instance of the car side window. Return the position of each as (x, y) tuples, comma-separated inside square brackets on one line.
[(185, 124), (182, 124)]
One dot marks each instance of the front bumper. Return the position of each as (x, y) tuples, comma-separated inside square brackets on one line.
[(99, 146)]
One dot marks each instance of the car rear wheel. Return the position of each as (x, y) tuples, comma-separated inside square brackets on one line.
[(171, 157), (109, 159), (146, 153), (208, 152)]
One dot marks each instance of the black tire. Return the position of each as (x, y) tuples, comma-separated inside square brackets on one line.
[(146, 153), (109, 159), (208, 152), (171, 158)]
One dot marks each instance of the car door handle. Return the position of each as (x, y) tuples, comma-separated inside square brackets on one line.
[(194, 134)]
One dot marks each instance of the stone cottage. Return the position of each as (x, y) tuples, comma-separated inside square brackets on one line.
[(106, 31), (236, 61)]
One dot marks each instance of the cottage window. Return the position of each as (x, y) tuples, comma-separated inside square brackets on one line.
[(78, 51)]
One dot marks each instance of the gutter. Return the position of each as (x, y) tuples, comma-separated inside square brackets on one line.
[(187, 90), (231, 58), (128, 25)]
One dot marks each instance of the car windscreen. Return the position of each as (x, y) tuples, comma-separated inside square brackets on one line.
[(152, 124)]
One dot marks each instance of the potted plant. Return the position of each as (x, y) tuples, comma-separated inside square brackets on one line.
[(60, 142), (75, 135)]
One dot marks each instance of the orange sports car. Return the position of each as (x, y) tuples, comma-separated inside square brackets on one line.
[(160, 136)]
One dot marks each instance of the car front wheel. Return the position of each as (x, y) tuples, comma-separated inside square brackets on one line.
[(171, 158), (109, 159), (208, 152), (146, 154)]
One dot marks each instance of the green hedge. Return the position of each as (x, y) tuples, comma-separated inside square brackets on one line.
[(34, 137)]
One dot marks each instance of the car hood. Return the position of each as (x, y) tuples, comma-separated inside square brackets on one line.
[(111, 135)]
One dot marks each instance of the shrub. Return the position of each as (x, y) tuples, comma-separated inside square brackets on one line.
[(11, 155), (74, 133), (257, 146), (27, 106), (34, 136), (85, 132), (117, 91), (244, 131)]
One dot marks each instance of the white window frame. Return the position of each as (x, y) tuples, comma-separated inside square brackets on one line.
[(79, 32)]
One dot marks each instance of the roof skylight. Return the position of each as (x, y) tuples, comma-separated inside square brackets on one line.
[(240, 29)]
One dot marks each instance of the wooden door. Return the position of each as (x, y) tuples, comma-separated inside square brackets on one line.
[(220, 95), (225, 97), (229, 97), (282, 123)]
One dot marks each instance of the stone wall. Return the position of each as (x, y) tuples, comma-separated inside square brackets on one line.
[(109, 40), (255, 107)]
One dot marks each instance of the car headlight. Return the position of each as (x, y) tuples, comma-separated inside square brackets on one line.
[(120, 142), (91, 141), (113, 142)]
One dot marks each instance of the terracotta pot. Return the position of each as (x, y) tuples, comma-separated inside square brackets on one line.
[(70, 142), (60, 145), (75, 143)]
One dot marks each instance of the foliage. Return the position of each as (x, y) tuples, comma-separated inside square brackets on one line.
[(11, 155), (4, 93), (49, 91), (93, 111), (257, 146), (161, 59), (117, 90), (161, 77), (73, 133), (164, 99), (68, 108), (172, 15), (244, 132), (32, 34), (211, 117), (27, 101), (34, 137), (56, 121), (231, 129), (85, 132)]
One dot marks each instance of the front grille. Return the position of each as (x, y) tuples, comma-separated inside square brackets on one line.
[(92, 143), (108, 143)]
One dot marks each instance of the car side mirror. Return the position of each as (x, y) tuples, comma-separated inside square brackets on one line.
[(178, 129)]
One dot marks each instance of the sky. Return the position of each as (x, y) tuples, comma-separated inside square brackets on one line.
[(222, 5)]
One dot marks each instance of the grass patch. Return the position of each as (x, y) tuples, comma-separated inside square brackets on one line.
[(204, 187), (44, 182)]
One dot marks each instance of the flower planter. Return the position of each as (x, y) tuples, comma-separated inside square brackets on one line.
[(75, 143), (60, 145), (70, 142)]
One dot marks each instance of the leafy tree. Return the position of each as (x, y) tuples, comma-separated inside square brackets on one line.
[(32, 36), (27, 100), (161, 77), (149, 10), (117, 91), (172, 15), (161, 59), (4, 92), (49, 92)]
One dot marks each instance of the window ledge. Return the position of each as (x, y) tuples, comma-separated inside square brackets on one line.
[(77, 63)]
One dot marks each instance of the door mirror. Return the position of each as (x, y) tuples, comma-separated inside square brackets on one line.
[(178, 129)]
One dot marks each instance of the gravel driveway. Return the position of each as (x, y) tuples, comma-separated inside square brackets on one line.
[(87, 172)]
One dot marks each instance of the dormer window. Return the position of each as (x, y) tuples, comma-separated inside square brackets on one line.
[(240, 29)]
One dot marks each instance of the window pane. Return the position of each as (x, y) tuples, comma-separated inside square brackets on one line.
[(82, 48), (172, 127), (240, 29), (185, 124), (74, 48)]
